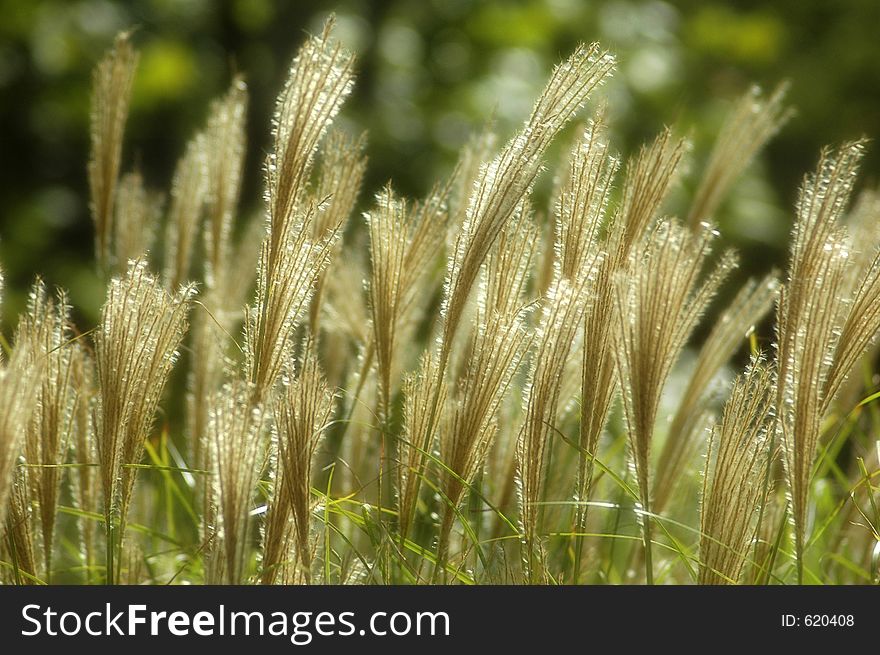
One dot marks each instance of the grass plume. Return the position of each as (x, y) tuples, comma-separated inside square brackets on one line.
[(826, 318), (302, 414), (504, 182), (753, 121), (733, 483), (747, 308), (235, 429), (657, 306), (136, 344), (290, 262), (45, 330), (111, 92)]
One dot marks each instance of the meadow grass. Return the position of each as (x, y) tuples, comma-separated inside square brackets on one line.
[(476, 387)]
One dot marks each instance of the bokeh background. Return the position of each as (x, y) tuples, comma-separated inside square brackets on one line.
[(430, 73)]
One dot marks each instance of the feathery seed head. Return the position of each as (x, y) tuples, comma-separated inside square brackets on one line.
[(560, 321), (749, 126), (236, 434), (137, 213), (505, 181), (44, 332), (341, 171), (418, 440), (495, 353), (827, 316), (136, 344), (509, 266), (302, 414), (649, 177), (290, 263), (748, 307), (584, 197), (658, 303), (388, 243), (224, 160), (188, 191), (320, 79), (111, 91), (283, 293), (734, 481), (19, 379)]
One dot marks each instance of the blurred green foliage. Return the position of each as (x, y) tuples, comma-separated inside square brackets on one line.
[(430, 73)]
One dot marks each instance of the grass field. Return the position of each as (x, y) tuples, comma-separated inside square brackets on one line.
[(480, 386)]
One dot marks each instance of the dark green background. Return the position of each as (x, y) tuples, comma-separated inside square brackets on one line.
[(430, 72)]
